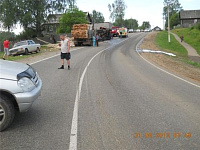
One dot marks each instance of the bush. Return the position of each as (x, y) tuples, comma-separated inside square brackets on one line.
[(70, 18), (26, 34), (198, 26)]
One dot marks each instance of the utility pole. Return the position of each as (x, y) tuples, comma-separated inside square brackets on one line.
[(93, 22), (168, 23), (168, 2)]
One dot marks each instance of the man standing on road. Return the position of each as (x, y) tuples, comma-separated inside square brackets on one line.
[(6, 50), (94, 40), (65, 51), (97, 39)]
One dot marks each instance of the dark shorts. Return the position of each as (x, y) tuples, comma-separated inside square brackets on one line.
[(66, 56)]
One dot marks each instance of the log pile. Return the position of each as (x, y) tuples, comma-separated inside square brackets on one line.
[(79, 31)]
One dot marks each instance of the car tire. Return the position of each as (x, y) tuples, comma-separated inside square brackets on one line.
[(38, 50), (26, 51), (7, 112)]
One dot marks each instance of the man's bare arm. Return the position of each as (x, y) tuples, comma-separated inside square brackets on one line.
[(68, 46)]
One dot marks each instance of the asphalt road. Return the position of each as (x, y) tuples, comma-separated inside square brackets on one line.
[(124, 103)]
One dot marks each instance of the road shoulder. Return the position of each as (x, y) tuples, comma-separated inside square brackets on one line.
[(171, 64)]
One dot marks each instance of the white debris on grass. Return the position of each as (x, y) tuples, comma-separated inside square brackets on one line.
[(158, 52)]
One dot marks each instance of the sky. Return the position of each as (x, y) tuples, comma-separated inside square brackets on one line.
[(141, 10)]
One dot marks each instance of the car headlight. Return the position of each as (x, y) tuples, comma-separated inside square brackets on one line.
[(26, 84)]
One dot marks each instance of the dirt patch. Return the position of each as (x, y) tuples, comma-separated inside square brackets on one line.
[(172, 64)]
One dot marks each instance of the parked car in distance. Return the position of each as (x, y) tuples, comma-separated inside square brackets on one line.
[(24, 47), (146, 30), (130, 31), (138, 30), (20, 86)]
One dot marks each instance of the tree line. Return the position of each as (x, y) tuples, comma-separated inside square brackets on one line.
[(32, 14), (117, 13), (174, 9)]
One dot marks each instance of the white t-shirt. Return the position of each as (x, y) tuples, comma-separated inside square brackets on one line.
[(64, 45)]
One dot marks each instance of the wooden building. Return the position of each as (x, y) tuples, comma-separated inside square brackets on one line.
[(189, 18), (157, 29), (53, 23)]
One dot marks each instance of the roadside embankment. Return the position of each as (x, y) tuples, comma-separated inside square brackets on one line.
[(179, 65)]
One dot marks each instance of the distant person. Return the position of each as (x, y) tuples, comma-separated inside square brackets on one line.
[(65, 51), (53, 38), (120, 34), (97, 39), (181, 38), (93, 38), (6, 49)]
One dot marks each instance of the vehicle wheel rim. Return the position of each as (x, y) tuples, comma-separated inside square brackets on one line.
[(2, 115)]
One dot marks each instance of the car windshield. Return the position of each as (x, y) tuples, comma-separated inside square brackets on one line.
[(16, 44), (19, 44)]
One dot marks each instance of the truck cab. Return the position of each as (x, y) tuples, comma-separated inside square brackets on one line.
[(114, 31)]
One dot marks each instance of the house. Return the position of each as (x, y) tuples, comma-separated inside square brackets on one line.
[(189, 18), (52, 23), (156, 29)]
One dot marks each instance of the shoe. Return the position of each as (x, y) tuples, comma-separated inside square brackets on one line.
[(3, 58), (68, 67), (62, 67)]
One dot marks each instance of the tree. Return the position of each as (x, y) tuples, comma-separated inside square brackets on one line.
[(31, 14), (34, 12), (8, 15), (119, 22), (69, 19), (174, 7), (72, 5), (131, 23), (174, 20), (117, 11), (98, 16), (145, 25)]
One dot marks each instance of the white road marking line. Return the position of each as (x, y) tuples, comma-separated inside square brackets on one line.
[(52, 56), (163, 69), (74, 126)]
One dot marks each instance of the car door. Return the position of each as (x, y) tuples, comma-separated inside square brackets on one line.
[(33, 46), (30, 46)]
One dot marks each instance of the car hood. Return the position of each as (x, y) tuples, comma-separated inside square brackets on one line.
[(10, 70), (15, 48)]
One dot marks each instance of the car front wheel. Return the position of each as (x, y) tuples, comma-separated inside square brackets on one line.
[(38, 50), (7, 112), (26, 51)]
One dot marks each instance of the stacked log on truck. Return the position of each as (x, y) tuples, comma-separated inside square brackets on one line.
[(82, 34)]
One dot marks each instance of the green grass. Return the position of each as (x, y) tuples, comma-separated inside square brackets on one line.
[(174, 47), (191, 36), (192, 63)]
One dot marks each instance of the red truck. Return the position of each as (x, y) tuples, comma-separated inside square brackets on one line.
[(114, 31)]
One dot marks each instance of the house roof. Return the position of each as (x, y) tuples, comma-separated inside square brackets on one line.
[(190, 14), (156, 28), (88, 17)]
